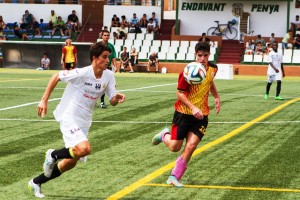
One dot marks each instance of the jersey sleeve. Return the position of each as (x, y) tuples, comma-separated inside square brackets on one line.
[(182, 84), (70, 75), (75, 49), (63, 50)]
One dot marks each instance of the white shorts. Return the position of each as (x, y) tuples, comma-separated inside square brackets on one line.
[(73, 134), (273, 77)]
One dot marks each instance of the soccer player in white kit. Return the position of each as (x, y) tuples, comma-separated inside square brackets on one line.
[(275, 71), (74, 112)]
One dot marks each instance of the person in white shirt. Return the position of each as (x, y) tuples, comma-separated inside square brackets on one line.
[(275, 71), (45, 62), (74, 112)]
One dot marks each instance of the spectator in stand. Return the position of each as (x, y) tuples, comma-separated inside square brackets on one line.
[(115, 21), (155, 20), (45, 62), (204, 38), (52, 19), (261, 40), (2, 35), (124, 61), (134, 20), (295, 25), (296, 41), (68, 31), (74, 21), (269, 48), (143, 21), (115, 35), (134, 56), (153, 62), (124, 21), (259, 50), (18, 34), (43, 26), (59, 25), (272, 38), (287, 39), (2, 23), (151, 27), (250, 46), (122, 32), (27, 19)]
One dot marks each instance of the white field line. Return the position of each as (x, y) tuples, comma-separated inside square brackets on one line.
[(147, 122)]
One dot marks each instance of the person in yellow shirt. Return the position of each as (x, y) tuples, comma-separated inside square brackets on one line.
[(69, 55)]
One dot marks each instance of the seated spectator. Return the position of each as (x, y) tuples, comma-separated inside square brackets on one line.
[(27, 19), (296, 41), (124, 61), (115, 35), (2, 35), (18, 34), (269, 48), (151, 27), (124, 21), (74, 21), (45, 62), (134, 56), (69, 27), (115, 21), (2, 23), (259, 50), (295, 25), (261, 40), (52, 19), (43, 26), (143, 21), (272, 38), (287, 39), (204, 38), (34, 29), (154, 19), (59, 25), (250, 46), (153, 62), (122, 32), (134, 20)]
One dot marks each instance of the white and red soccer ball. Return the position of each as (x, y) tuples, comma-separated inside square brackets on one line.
[(194, 73)]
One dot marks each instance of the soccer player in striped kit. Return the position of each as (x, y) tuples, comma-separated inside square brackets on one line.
[(191, 115)]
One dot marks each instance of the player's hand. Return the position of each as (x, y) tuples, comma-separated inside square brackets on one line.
[(197, 113), (218, 107), (42, 108), (276, 70), (120, 97)]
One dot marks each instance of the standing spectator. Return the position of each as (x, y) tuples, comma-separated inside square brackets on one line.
[(59, 25), (134, 20), (272, 38), (153, 62), (250, 46), (115, 21), (101, 33), (2, 35), (27, 19), (52, 19), (287, 39), (275, 71), (134, 56), (296, 42), (18, 34), (143, 21), (74, 21), (69, 55), (2, 23), (112, 60), (45, 62), (295, 25), (191, 115), (261, 40), (74, 113), (124, 61), (124, 21)]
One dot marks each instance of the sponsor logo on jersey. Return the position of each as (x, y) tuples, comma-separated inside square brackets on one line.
[(89, 84)]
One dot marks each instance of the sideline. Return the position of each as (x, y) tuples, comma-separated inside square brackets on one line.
[(125, 191)]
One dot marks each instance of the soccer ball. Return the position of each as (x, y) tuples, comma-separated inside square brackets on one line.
[(194, 73)]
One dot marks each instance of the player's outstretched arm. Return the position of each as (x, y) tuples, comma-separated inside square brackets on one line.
[(213, 90), (118, 98), (43, 105)]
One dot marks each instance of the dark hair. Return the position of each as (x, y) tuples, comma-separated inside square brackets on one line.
[(202, 46), (97, 49), (45, 54), (105, 31)]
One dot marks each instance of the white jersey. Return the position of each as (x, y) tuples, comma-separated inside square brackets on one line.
[(81, 94), (276, 59), (45, 61)]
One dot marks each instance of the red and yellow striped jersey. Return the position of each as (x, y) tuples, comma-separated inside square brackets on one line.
[(196, 94), (69, 52)]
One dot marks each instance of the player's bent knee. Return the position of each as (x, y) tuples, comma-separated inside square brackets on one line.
[(175, 148)]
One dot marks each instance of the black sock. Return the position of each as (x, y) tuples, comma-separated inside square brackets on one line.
[(268, 88), (102, 98), (278, 88), (61, 153), (43, 179)]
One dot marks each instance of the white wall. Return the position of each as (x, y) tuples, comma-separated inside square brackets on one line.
[(12, 12), (195, 22), (128, 11)]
